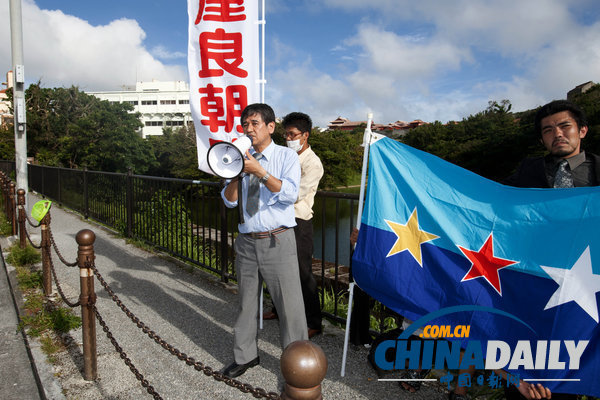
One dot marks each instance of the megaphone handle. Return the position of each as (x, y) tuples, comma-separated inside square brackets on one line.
[(240, 202)]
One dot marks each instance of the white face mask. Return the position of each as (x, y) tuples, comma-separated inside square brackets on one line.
[(294, 145)]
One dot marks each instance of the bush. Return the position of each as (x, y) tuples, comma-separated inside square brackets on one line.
[(5, 226), (29, 279), (21, 257), (63, 320)]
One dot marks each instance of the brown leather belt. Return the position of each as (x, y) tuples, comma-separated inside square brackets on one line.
[(262, 235)]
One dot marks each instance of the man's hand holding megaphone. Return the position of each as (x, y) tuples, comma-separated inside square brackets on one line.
[(253, 167)]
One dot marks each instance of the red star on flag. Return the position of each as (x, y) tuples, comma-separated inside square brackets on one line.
[(484, 264)]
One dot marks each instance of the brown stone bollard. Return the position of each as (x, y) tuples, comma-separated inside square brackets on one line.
[(85, 257), (4, 188), (13, 207), (22, 219), (46, 246), (303, 366)]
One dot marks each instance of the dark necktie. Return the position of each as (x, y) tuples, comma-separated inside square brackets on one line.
[(563, 177), (253, 191)]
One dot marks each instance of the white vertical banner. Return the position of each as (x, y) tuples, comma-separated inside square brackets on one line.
[(223, 65)]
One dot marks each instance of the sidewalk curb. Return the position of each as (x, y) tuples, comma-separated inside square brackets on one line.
[(47, 384)]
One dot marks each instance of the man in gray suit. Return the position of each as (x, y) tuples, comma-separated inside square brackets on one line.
[(266, 246)]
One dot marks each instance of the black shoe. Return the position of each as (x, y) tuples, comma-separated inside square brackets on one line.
[(235, 369), (270, 315), (313, 332), (454, 396)]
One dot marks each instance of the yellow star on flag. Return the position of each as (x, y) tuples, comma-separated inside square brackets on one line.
[(410, 237)]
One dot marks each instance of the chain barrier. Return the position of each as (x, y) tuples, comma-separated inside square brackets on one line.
[(58, 287), (144, 382), (198, 366), (34, 225), (68, 264), (31, 242)]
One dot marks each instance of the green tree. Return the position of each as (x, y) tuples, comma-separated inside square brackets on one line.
[(590, 102), (177, 154), (493, 142), (68, 128), (7, 142), (341, 155), (339, 151), (489, 143)]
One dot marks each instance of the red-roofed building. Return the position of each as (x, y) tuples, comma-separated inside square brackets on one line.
[(393, 129), (344, 124)]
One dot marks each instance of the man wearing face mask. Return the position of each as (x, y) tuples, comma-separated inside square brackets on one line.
[(298, 127)]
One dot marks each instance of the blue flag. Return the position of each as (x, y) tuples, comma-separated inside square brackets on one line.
[(434, 235)]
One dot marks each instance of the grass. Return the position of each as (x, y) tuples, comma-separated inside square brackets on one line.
[(378, 321), (23, 257), (28, 278), (329, 303), (381, 321), (51, 346), (42, 318), (377, 314), (5, 226), (36, 320)]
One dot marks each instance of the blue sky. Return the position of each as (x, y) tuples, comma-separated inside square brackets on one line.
[(400, 59)]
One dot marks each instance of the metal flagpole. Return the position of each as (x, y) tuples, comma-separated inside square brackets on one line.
[(366, 142), (16, 34), (263, 82)]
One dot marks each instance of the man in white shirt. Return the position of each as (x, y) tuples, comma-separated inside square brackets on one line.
[(265, 248)]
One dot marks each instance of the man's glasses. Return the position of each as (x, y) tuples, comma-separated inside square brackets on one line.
[(291, 135)]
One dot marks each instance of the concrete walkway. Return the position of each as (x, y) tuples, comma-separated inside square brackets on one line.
[(188, 308), (19, 376)]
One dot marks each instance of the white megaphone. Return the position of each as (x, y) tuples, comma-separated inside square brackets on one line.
[(226, 159)]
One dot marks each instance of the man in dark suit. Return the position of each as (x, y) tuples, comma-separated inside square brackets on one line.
[(561, 126)]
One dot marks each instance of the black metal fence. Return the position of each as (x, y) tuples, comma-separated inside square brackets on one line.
[(188, 219)]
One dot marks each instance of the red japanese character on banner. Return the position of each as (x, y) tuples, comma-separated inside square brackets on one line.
[(223, 11), (237, 99), (211, 106), (228, 46)]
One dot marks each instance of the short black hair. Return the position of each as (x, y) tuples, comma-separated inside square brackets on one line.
[(297, 120), (557, 106), (265, 111)]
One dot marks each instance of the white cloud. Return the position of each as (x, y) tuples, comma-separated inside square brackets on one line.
[(63, 50), (406, 60), (540, 51), (303, 88), (405, 57), (509, 27), (276, 6), (164, 53)]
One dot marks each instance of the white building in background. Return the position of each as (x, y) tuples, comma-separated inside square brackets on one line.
[(161, 104), (6, 116)]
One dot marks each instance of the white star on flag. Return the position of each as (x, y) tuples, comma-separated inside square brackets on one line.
[(578, 284)]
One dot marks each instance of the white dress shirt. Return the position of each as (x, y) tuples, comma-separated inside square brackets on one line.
[(312, 172)]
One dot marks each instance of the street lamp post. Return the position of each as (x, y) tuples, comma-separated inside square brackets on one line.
[(19, 108)]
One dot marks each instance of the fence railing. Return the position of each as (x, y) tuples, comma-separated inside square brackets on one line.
[(188, 219)]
